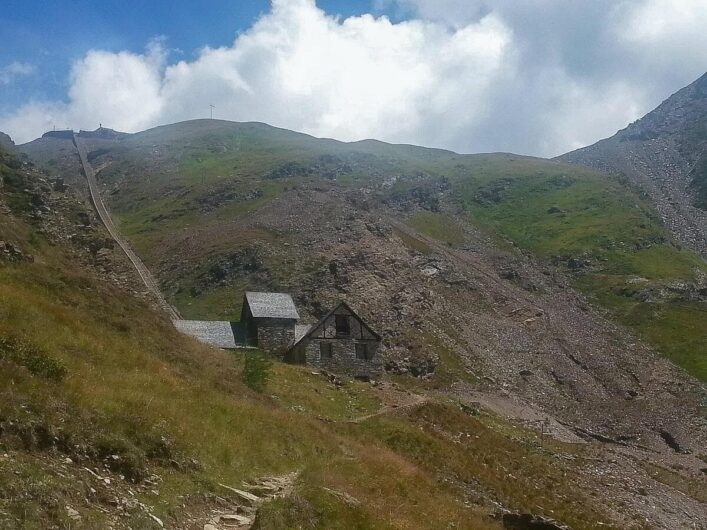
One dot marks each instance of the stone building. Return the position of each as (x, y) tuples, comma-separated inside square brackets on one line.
[(341, 342), (269, 320)]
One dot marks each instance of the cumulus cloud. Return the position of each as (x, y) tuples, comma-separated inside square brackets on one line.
[(113, 88), (534, 77), (11, 72)]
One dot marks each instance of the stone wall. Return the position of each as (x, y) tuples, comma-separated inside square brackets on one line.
[(343, 360), (275, 334)]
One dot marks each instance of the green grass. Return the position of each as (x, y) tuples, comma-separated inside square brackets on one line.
[(561, 213), (677, 329), (218, 303), (413, 243), (299, 389), (438, 226), (662, 263)]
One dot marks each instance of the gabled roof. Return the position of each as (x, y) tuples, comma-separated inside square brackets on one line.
[(329, 313), (271, 305), (300, 331), (214, 333)]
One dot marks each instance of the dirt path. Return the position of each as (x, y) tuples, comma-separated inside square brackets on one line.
[(394, 402), (142, 270), (516, 410)]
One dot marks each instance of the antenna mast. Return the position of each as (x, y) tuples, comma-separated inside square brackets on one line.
[(212, 111)]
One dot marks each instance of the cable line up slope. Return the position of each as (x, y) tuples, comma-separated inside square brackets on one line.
[(142, 270)]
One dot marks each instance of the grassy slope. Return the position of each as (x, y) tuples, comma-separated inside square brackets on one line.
[(90, 373), (561, 212), (596, 217), (135, 389)]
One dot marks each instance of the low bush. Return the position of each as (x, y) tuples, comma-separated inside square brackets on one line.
[(38, 362), (256, 370)]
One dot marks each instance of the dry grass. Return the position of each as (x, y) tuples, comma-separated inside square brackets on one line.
[(136, 398), (136, 390)]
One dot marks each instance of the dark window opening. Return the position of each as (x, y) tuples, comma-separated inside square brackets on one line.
[(326, 351), (342, 325), (363, 351)]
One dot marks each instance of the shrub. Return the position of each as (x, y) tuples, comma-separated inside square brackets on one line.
[(28, 355), (256, 370)]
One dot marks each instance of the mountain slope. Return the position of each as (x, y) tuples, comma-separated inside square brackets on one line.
[(106, 409), (195, 191), (110, 418), (467, 265), (665, 154)]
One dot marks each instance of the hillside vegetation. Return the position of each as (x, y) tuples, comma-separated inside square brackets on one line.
[(181, 186), (109, 417), (621, 255), (664, 155)]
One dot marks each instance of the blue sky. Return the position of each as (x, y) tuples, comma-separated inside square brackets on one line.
[(52, 34), (525, 76)]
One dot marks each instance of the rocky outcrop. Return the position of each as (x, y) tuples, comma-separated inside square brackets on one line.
[(6, 141), (11, 252)]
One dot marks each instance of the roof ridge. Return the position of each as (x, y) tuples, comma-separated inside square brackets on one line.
[(331, 312)]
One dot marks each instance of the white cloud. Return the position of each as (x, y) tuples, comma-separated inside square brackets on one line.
[(357, 78), (123, 88), (11, 72), (663, 34), (534, 77)]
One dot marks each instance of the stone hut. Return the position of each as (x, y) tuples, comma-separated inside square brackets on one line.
[(269, 321), (341, 342)]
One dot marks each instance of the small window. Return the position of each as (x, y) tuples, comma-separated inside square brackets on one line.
[(362, 351), (326, 351), (342, 325)]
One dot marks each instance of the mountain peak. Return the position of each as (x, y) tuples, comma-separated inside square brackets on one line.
[(665, 154), (6, 141)]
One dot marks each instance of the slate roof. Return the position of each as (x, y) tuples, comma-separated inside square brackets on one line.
[(214, 333), (300, 331), (271, 305)]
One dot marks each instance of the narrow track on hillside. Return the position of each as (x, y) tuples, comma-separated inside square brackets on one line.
[(102, 211), (415, 401)]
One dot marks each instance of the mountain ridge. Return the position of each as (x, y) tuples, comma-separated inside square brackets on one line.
[(665, 154), (530, 288)]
